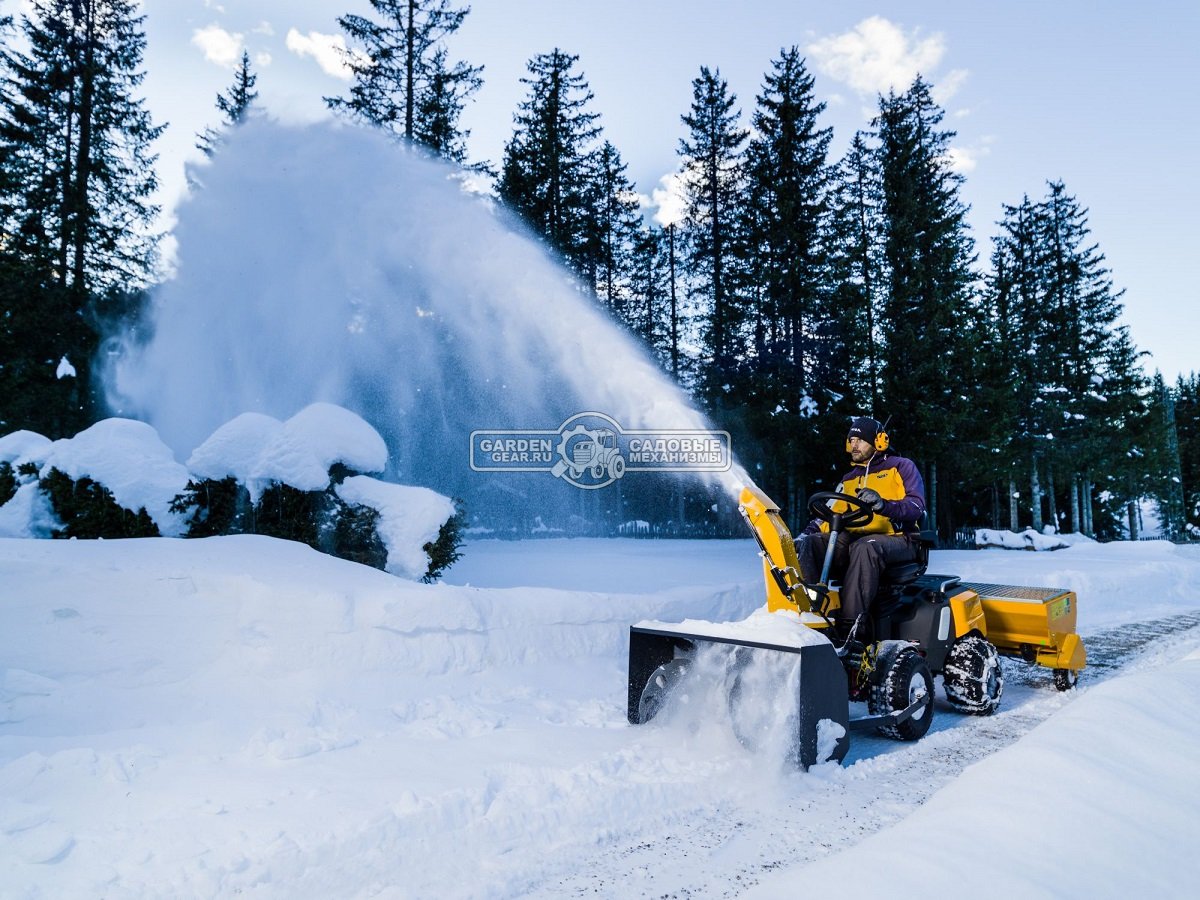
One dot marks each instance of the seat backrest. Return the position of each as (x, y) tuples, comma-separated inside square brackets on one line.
[(907, 573)]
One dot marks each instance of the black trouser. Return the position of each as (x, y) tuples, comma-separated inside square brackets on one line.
[(858, 559)]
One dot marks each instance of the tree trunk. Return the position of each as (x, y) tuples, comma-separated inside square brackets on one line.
[(933, 497), (674, 305), (1088, 527), (1132, 513), (1076, 526), (1035, 489), (1050, 499), (83, 168), (1013, 512), (410, 65)]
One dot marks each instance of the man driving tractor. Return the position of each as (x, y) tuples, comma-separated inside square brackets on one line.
[(892, 487)]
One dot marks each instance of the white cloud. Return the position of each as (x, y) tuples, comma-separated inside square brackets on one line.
[(878, 56), (218, 45), (264, 27), (670, 200), (327, 49), (262, 59), (947, 85), (962, 160)]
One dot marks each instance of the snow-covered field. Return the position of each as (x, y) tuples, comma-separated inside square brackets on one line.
[(243, 716)]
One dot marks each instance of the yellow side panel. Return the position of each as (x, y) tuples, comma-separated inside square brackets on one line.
[(1024, 622), (967, 610), (1037, 623)]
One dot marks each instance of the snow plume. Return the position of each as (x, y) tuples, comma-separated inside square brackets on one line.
[(326, 263)]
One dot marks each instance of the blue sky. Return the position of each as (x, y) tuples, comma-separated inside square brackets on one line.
[(1099, 94)]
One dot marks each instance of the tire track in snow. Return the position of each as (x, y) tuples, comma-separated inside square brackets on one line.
[(720, 849)]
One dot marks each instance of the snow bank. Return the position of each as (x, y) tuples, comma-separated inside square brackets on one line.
[(129, 459), (1098, 801), (244, 716), (1028, 539), (409, 518)]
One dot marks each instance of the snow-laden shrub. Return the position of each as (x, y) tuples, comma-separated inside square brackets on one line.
[(114, 479), (356, 538), (301, 480), (420, 529), (131, 464), (446, 549), (8, 482), (87, 509), (214, 507), (298, 480)]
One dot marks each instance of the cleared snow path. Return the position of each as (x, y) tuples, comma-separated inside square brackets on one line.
[(723, 847)]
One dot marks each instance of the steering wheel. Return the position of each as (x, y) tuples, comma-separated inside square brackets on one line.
[(858, 515)]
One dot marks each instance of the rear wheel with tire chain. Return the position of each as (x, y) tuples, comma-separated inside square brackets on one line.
[(972, 676), (1066, 679), (902, 677)]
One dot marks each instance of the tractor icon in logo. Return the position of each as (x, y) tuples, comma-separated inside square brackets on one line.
[(589, 451)]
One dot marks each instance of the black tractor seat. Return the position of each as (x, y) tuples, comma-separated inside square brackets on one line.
[(894, 579)]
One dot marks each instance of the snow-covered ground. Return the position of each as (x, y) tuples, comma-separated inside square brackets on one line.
[(242, 716)]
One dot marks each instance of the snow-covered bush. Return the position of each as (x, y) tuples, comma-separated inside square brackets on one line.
[(446, 549), (215, 507), (8, 482), (87, 509), (112, 480), (299, 480)]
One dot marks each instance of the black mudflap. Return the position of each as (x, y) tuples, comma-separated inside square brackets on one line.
[(822, 684)]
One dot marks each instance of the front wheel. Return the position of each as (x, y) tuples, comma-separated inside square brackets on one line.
[(659, 687), (972, 677), (903, 679)]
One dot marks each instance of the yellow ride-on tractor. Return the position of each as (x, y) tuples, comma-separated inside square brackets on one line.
[(924, 625)]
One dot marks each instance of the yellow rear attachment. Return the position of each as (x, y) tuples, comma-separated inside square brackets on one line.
[(1035, 623)]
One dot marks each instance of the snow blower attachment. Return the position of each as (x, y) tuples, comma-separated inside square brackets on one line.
[(924, 625)]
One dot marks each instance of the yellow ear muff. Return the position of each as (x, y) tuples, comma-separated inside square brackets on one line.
[(881, 441)]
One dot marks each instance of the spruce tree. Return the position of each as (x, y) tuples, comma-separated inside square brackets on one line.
[(786, 193), (1186, 396), (1020, 416), (713, 160), (77, 144), (75, 213), (798, 350), (547, 173), (612, 232), (648, 311), (1165, 466), (440, 107), (928, 254), (855, 230), (233, 104), (401, 80)]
